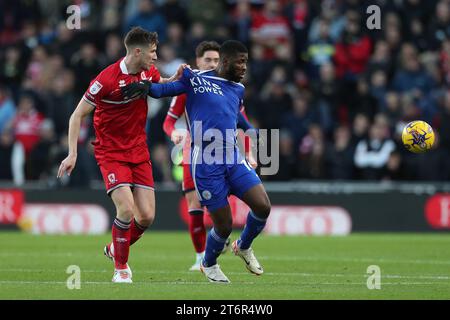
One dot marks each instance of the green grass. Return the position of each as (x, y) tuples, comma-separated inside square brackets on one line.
[(413, 266)]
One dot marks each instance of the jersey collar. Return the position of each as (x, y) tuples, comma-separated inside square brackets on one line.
[(123, 67)]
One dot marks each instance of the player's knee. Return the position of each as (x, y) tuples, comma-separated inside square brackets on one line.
[(224, 229), (146, 219), (263, 208), (125, 212)]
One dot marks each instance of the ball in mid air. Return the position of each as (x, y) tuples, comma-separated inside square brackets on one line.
[(418, 136)]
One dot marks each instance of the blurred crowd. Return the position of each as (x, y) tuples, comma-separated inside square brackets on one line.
[(339, 92)]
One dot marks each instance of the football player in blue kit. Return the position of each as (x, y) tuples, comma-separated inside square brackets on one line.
[(214, 98)]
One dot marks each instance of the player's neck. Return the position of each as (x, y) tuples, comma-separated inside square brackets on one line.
[(222, 73), (131, 65)]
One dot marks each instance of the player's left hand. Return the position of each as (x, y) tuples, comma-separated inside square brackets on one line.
[(136, 89)]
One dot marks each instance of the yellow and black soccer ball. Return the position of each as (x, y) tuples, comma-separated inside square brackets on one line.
[(418, 136)]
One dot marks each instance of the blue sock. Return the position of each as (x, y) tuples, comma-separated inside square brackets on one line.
[(252, 228), (214, 246)]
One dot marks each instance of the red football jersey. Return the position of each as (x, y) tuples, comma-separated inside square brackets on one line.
[(119, 124)]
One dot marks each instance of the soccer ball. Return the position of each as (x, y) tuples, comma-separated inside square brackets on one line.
[(418, 136)]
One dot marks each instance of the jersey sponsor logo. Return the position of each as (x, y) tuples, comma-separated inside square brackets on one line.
[(144, 77), (95, 87), (112, 178), (201, 85), (206, 195)]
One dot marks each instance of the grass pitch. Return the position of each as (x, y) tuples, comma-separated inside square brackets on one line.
[(413, 266)]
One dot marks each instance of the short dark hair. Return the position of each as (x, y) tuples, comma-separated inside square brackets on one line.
[(206, 46), (231, 48), (138, 36)]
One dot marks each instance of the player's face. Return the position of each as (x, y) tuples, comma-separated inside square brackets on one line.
[(209, 60), (148, 57), (238, 67)]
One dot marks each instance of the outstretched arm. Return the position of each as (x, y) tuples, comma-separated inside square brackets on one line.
[(159, 90)]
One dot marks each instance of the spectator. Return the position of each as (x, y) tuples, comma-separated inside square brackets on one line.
[(113, 49), (353, 50), (339, 155), (148, 18), (174, 12), (86, 64), (320, 51), (240, 22), (41, 158), (7, 108), (394, 170), (413, 80), (361, 124), (298, 13), (362, 100), (312, 154), (329, 12), (439, 28), (6, 150), (326, 93), (275, 99), (372, 153), (297, 121), (26, 123), (207, 13), (287, 160), (270, 30), (12, 69), (176, 39), (61, 101)]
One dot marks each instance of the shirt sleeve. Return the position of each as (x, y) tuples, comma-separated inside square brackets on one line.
[(170, 89), (176, 110), (98, 88)]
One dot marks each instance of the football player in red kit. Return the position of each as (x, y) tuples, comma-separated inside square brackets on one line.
[(120, 147), (207, 58)]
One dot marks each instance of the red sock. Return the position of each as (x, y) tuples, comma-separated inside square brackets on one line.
[(121, 240), (136, 231), (197, 229)]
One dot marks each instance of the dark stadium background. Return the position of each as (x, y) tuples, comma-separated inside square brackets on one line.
[(317, 73)]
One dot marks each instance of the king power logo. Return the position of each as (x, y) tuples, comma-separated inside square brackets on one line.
[(201, 85)]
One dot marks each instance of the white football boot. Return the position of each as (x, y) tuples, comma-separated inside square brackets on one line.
[(214, 274), (249, 258), (199, 258), (108, 251), (198, 262), (122, 276)]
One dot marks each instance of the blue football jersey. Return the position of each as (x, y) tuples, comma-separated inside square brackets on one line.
[(212, 102)]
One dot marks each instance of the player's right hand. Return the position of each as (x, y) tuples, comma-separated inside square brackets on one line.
[(136, 89), (67, 165), (176, 136)]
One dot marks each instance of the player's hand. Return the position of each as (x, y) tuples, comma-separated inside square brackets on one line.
[(136, 89), (176, 136), (67, 165), (177, 75)]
